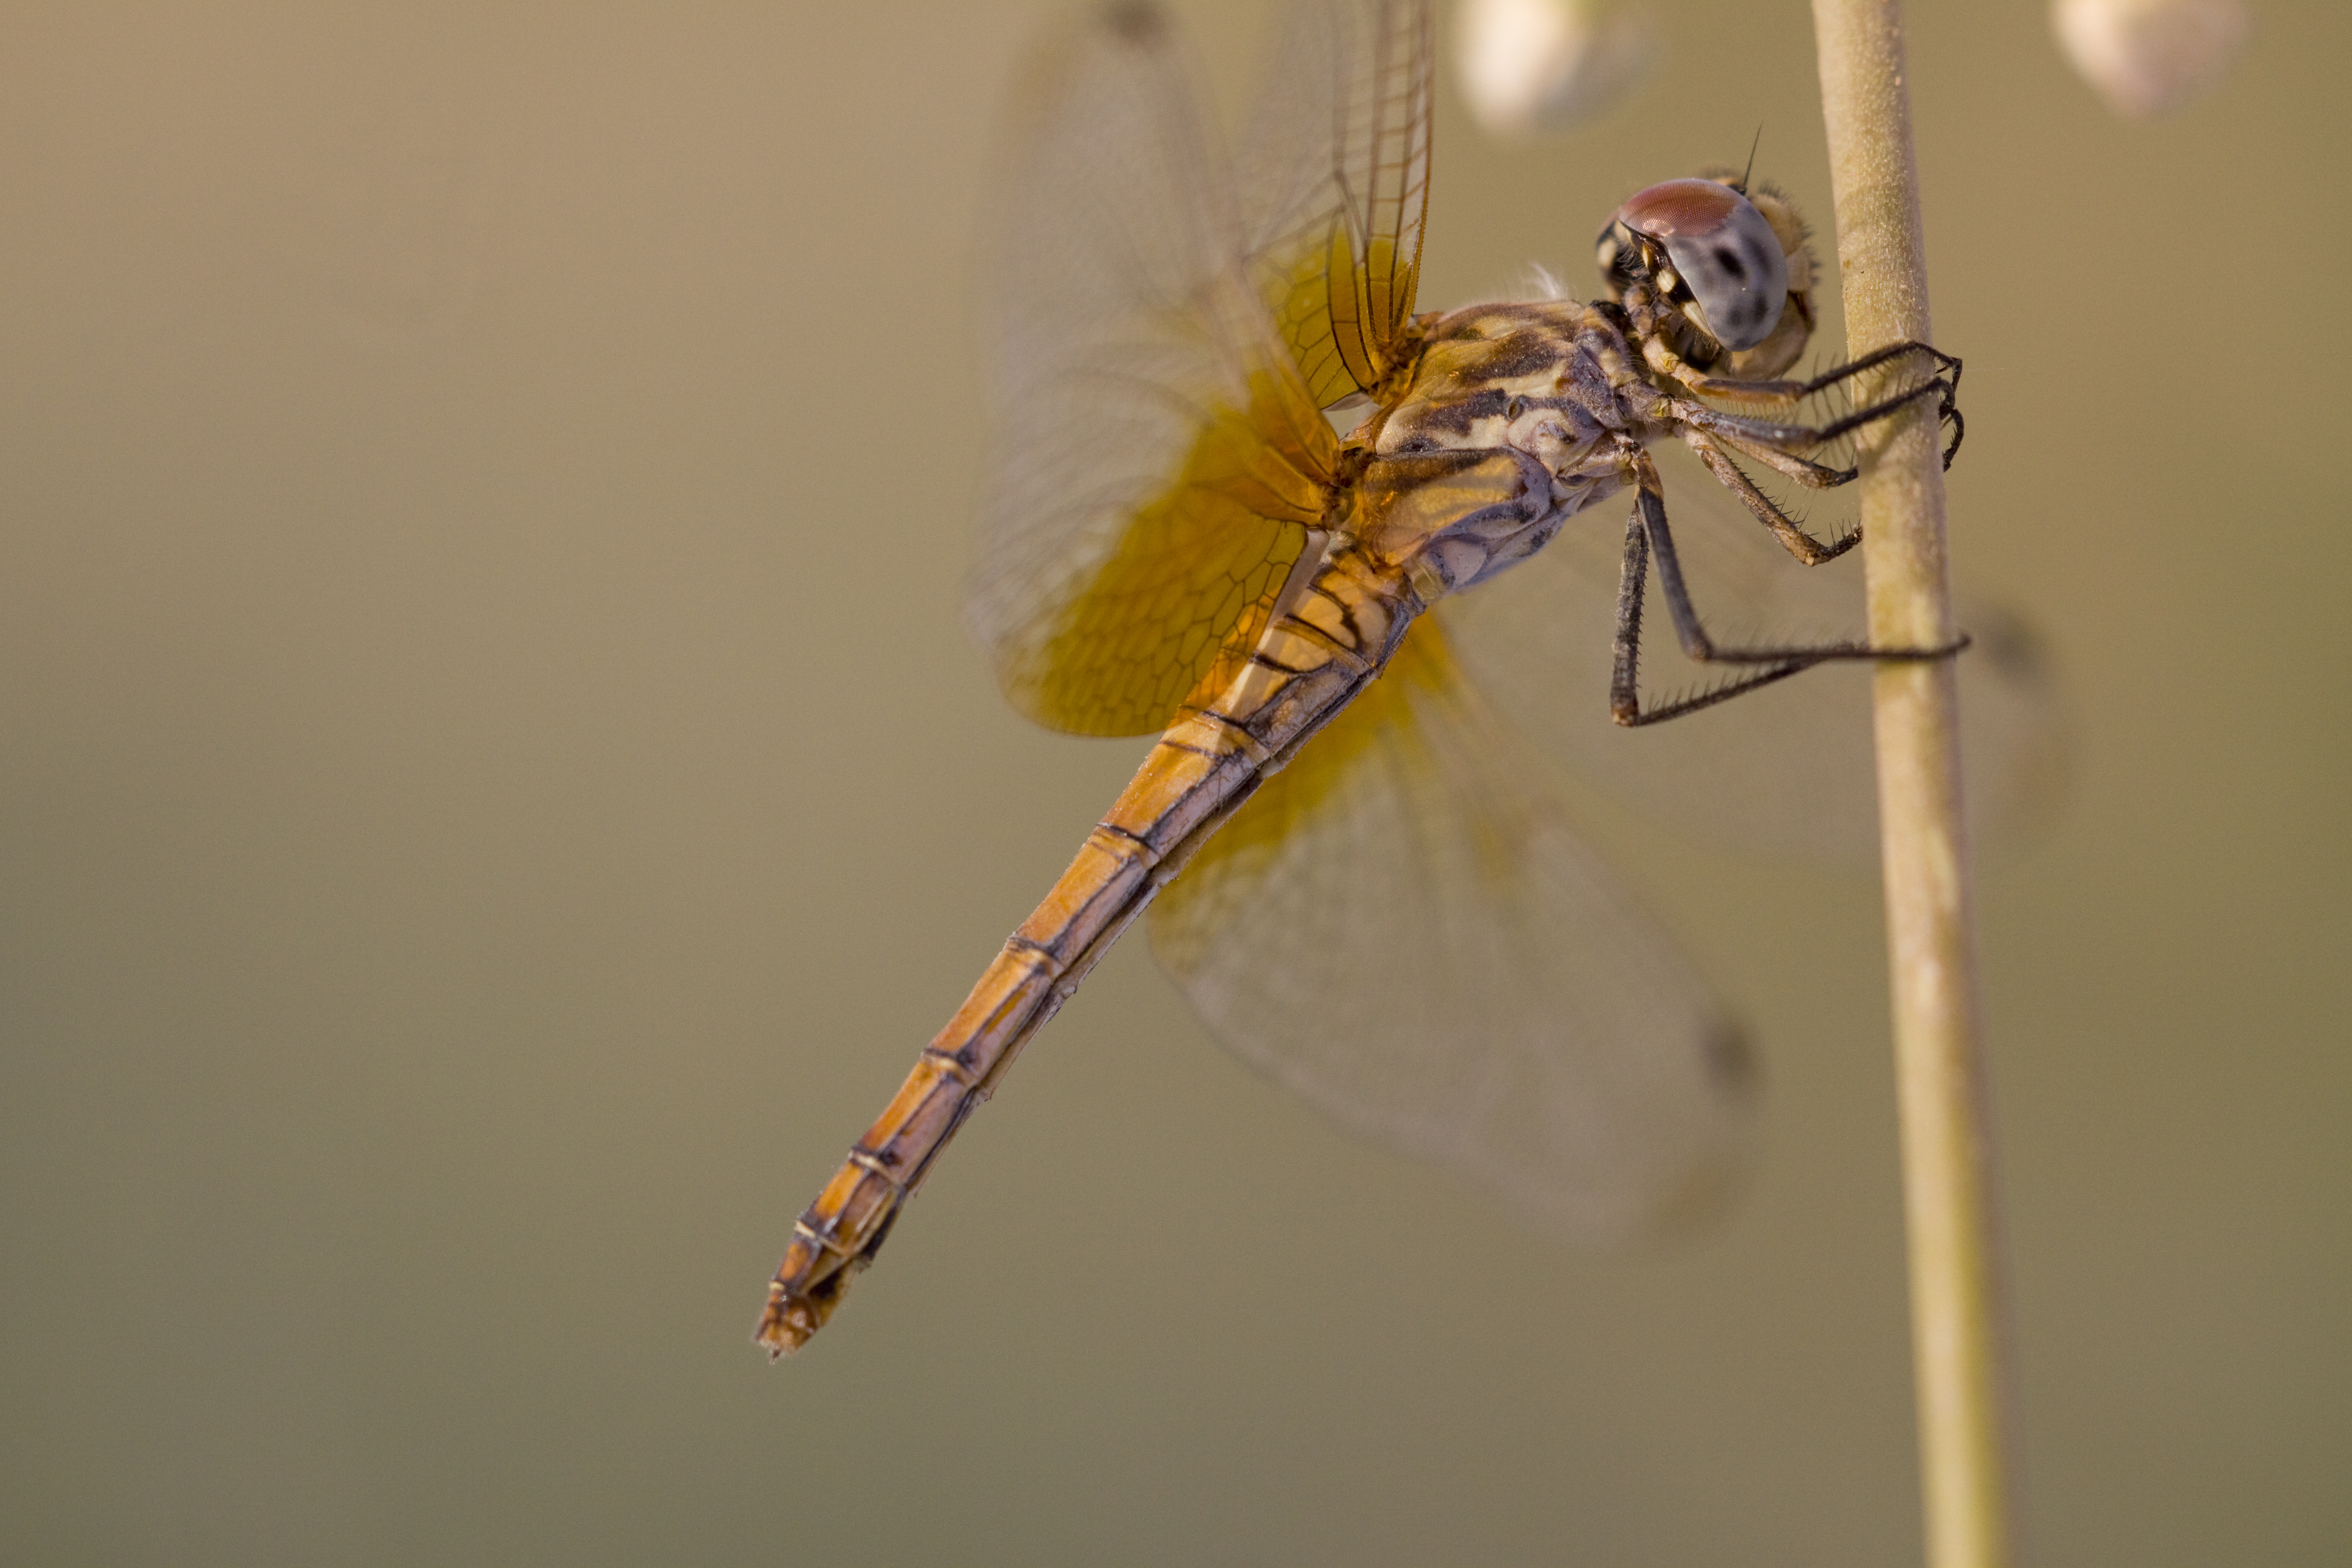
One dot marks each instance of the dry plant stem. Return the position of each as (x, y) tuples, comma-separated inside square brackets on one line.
[(1958, 1340)]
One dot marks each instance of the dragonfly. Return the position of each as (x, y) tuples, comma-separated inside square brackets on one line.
[(1350, 864)]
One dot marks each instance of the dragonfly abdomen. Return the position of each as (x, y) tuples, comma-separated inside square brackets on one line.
[(1305, 668)]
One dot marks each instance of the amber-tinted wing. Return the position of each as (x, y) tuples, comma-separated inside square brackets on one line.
[(1335, 176), (1790, 767), (1400, 927), (1157, 463)]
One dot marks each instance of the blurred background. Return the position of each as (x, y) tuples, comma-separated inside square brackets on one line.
[(494, 793)]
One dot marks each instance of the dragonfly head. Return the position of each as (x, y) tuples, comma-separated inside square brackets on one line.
[(1730, 271)]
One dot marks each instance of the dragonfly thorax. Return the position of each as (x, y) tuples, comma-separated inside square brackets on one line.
[(1515, 417)]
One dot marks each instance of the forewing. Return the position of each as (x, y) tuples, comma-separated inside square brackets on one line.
[(1157, 463), (1787, 767), (1400, 927), (1336, 183)]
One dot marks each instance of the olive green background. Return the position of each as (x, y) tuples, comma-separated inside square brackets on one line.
[(494, 793)]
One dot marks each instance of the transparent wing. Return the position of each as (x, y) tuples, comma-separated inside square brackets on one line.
[(1157, 463), (1336, 179), (1788, 767), (1401, 928)]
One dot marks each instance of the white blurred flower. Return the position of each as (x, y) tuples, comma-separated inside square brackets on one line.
[(2149, 57), (1534, 65)]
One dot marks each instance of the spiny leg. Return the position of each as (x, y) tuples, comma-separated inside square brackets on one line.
[(1947, 366), (1774, 444), (1651, 506), (1797, 391), (1759, 439), (1947, 406), (1647, 315), (1626, 673), (1812, 551), (1646, 535)]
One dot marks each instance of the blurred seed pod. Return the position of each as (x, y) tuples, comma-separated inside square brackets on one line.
[(2147, 57), (1537, 65)]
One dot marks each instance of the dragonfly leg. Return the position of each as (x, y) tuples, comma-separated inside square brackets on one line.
[(1777, 444), (1624, 676), (1794, 539), (1647, 538), (1945, 364), (1646, 316), (1945, 383)]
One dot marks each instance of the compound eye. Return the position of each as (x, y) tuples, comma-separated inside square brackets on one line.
[(1724, 250)]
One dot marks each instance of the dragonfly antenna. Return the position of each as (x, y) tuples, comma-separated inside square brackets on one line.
[(1742, 186)]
